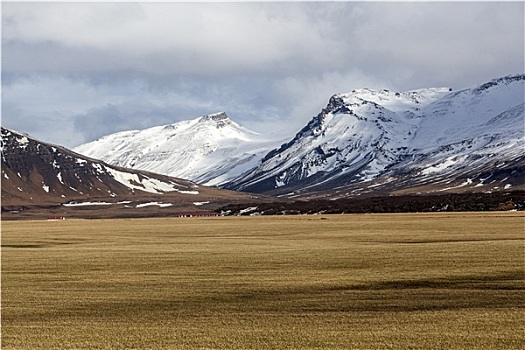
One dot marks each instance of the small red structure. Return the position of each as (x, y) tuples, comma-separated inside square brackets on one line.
[(191, 214), (56, 218)]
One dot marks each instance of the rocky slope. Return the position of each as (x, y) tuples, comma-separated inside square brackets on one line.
[(39, 175)]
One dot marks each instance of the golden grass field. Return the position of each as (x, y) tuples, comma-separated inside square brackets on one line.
[(400, 281)]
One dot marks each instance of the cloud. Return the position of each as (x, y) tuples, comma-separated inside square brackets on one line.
[(97, 68), (91, 108), (170, 38), (216, 39), (440, 43)]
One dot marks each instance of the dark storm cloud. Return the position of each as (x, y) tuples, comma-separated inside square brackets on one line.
[(97, 68)]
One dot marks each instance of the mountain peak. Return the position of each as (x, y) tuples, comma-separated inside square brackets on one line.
[(509, 79), (219, 119), (208, 149)]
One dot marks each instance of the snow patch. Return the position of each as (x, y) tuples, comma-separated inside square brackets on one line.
[(247, 210), (81, 204), (98, 167), (187, 192), (466, 183), (160, 204), (23, 142), (440, 166), (146, 184)]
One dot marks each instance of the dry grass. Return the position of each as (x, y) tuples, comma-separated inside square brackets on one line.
[(415, 281)]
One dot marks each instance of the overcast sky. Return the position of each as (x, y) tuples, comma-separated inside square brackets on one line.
[(72, 72)]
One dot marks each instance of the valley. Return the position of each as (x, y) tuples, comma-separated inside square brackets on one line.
[(447, 280)]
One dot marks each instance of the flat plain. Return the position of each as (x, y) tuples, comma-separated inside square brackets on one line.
[(392, 281)]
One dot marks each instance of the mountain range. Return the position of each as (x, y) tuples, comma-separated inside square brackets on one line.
[(365, 142)]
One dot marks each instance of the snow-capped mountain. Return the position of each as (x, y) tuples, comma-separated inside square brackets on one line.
[(467, 138), (36, 174), (209, 150), (433, 139)]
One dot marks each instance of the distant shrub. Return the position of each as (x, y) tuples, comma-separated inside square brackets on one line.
[(509, 205), (393, 204)]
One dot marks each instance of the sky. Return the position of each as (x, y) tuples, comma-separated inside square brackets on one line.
[(75, 71)]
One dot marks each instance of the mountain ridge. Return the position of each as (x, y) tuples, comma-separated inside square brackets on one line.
[(355, 140)]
